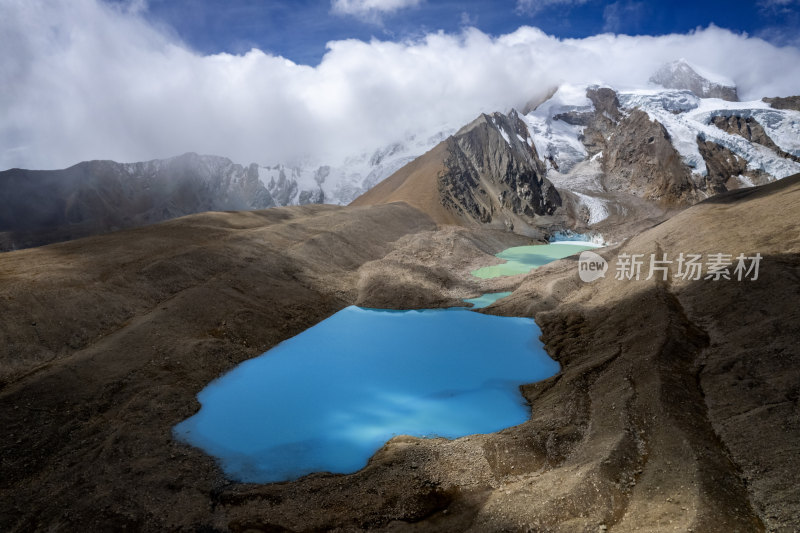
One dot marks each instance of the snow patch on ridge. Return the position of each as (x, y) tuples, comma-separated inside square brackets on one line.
[(504, 135), (555, 139)]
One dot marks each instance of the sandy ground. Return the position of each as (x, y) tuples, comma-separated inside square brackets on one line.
[(677, 406)]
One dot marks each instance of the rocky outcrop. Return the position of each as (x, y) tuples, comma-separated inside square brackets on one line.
[(603, 121), (598, 124), (40, 207), (636, 155), (640, 158), (311, 197), (746, 127), (613, 149), (492, 173), (787, 102), (679, 75), (726, 170), (750, 129), (282, 188), (488, 173)]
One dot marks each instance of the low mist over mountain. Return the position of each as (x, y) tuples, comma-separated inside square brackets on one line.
[(610, 152), (40, 207)]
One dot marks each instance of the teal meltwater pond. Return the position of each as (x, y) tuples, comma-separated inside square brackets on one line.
[(523, 259), (329, 398)]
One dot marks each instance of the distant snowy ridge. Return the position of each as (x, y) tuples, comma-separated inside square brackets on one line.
[(684, 115), (341, 183)]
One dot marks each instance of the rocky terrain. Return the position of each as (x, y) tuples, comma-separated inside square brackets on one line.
[(683, 139), (684, 391), (605, 161), (107, 340), (635, 153), (676, 407), (789, 102)]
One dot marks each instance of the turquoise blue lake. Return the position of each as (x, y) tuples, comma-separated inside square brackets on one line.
[(329, 398)]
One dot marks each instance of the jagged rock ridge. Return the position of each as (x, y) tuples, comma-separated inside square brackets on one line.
[(788, 102), (493, 170), (487, 173), (749, 128)]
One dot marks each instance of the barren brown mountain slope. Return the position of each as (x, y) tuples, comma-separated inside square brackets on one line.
[(687, 390), (676, 407), (107, 340), (416, 184)]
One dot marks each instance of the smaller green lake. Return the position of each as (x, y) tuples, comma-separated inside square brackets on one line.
[(523, 259), (486, 300)]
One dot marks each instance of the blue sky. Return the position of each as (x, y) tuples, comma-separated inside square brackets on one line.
[(298, 30)]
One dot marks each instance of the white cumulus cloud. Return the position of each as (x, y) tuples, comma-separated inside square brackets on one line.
[(81, 80)]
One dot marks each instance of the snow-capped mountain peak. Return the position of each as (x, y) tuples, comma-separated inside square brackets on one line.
[(664, 145), (681, 75)]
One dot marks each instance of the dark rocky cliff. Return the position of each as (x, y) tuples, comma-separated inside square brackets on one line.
[(494, 175)]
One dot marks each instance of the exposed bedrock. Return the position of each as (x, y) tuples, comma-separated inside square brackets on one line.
[(726, 170), (492, 172), (750, 129), (787, 102)]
